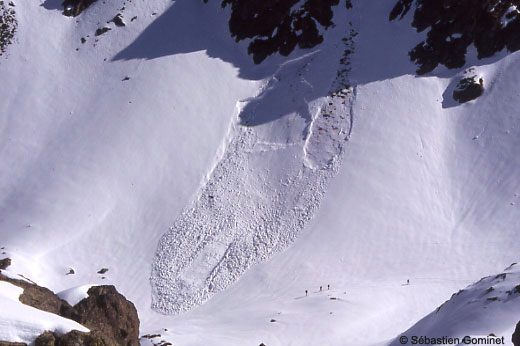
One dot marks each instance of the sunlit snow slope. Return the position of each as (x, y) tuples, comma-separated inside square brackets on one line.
[(221, 189)]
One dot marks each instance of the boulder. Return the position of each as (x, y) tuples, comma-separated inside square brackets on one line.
[(45, 339), (108, 312), (468, 89), (4, 263)]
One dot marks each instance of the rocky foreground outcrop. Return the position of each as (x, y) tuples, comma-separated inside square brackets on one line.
[(111, 318), (109, 313)]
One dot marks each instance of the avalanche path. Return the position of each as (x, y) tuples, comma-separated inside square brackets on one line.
[(284, 147)]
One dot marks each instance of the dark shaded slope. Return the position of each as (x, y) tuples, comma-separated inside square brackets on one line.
[(491, 25)]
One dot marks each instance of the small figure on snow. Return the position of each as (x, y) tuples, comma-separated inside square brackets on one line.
[(306, 292), (408, 281), (328, 287), (321, 288)]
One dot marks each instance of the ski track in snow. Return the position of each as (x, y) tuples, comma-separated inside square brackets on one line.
[(267, 186)]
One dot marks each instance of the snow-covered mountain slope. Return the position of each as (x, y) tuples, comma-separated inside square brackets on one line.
[(236, 187), (484, 309), (98, 161)]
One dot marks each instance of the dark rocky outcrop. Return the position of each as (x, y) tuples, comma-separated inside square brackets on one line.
[(5, 343), (111, 318), (4, 263), (75, 7), (46, 339), (82, 339), (491, 25), (101, 31), (516, 335), (41, 298), (275, 26), (118, 20), (72, 338), (468, 89), (8, 25), (108, 312)]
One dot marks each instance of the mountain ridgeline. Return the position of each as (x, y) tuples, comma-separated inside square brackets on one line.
[(279, 26), (490, 25)]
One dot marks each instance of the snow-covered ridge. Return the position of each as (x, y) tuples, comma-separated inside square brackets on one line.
[(487, 309)]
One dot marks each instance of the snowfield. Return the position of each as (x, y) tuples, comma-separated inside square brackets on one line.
[(216, 191)]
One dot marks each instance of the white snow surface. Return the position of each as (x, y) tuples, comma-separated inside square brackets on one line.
[(75, 294), (10, 291), (157, 179)]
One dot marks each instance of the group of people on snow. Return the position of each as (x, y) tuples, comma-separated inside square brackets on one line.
[(321, 289)]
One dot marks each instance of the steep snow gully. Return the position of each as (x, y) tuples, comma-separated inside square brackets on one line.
[(268, 184)]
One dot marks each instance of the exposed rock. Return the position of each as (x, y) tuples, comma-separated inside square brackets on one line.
[(468, 89), (40, 298), (111, 318), (151, 336), (516, 335), (515, 290), (275, 26), (8, 26), (118, 20), (45, 339), (102, 271), (101, 31), (490, 25), (75, 338), (72, 338), (75, 7), (4, 263), (108, 312), (5, 343)]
